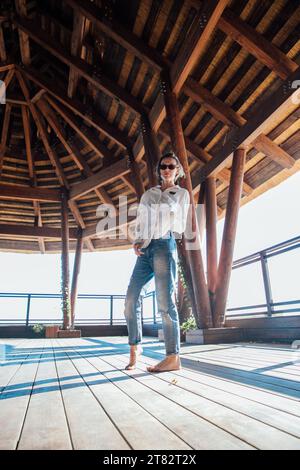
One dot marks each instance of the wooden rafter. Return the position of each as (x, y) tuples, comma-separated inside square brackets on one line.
[(83, 132), (255, 43), (69, 146), (35, 232), (32, 175), (79, 108), (204, 24), (120, 34), (3, 55), (265, 145), (4, 134), (76, 46), (53, 157), (90, 73), (101, 178), (27, 193), (220, 110), (280, 101), (21, 9)]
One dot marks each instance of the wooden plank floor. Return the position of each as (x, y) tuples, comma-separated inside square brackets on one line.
[(75, 394)]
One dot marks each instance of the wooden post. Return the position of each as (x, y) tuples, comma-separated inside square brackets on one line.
[(137, 179), (194, 257), (211, 237), (65, 273), (76, 270), (201, 214), (152, 151), (229, 233)]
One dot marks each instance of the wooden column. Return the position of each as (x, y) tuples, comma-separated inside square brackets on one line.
[(65, 272), (229, 233), (76, 270), (201, 214), (137, 179), (211, 236), (194, 257), (152, 151)]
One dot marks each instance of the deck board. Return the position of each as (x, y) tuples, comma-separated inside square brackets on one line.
[(75, 393), (15, 397), (45, 425)]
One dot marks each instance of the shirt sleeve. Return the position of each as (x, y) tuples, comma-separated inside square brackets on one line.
[(185, 209)]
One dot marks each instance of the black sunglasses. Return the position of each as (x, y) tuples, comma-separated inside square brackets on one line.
[(171, 166)]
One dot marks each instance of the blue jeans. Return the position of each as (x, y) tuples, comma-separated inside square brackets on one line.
[(158, 260)]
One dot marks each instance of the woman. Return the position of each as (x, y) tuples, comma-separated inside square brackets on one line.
[(161, 213)]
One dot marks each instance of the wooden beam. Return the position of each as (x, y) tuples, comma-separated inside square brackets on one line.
[(4, 134), (119, 34), (255, 43), (72, 149), (101, 178), (32, 175), (136, 175), (281, 102), (152, 151), (27, 193), (229, 234), (65, 270), (3, 55), (8, 78), (194, 255), (53, 157), (76, 270), (211, 236), (26, 128), (83, 131), (128, 180), (220, 110), (79, 108), (33, 231), (76, 214), (76, 47), (21, 9), (6, 67), (199, 35), (91, 73), (69, 146), (265, 145)]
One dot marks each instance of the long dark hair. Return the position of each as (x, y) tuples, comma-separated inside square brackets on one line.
[(170, 154)]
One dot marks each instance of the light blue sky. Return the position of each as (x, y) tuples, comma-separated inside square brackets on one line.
[(267, 220)]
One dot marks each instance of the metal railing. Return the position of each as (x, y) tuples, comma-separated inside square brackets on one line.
[(269, 308), (110, 316), (107, 314)]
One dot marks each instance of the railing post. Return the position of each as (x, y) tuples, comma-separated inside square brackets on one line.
[(153, 307), (111, 309), (28, 309), (267, 283)]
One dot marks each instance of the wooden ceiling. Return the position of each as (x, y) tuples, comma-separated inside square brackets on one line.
[(79, 75)]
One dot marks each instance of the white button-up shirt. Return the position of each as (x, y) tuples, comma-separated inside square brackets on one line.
[(160, 212)]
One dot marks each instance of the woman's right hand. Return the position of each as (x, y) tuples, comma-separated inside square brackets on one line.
[(137, 248)]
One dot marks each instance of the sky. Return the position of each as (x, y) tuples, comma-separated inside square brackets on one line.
[(271, 218)]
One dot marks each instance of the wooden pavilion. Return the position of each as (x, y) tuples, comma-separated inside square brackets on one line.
[(94, 91)]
